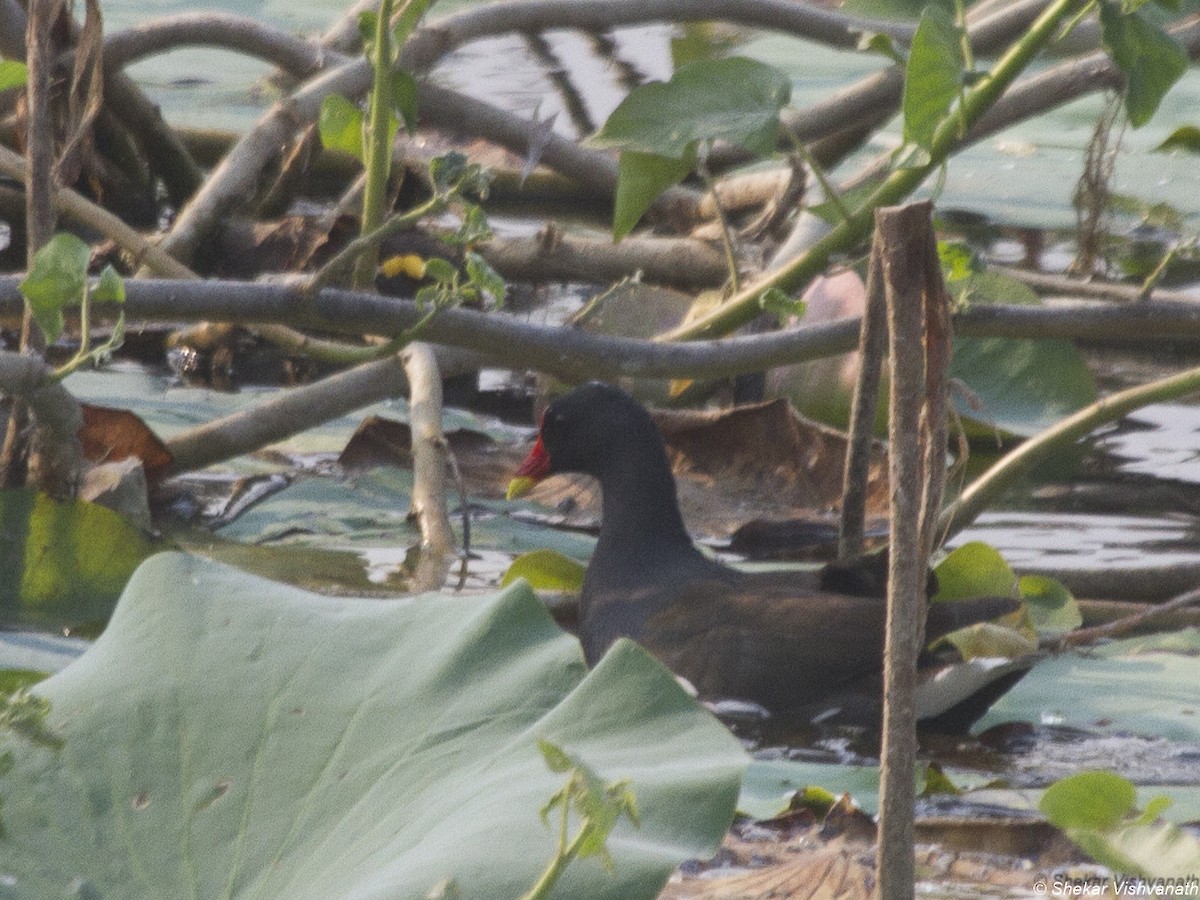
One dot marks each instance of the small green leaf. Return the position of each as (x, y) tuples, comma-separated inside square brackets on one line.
[(1090, 800), (487, 279), (782, 304), (366, 30), (1150, 58), (1052, 609), (736, 99), (878, 42), (440, 270), (410, 15), (341, 126), (56, 280), (556, 759), (958, 260), (446, 170), (545, 570), (641, 177), (934, 77), (473, 229), (13, 74), (1156, 807), (975, 569), (110, 288), (938, 782), (1186, 138), (404, 98)]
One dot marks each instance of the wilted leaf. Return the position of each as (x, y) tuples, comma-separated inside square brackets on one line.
[(109, 435)]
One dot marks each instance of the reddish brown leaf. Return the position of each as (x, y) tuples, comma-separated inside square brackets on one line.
[(109, 435)]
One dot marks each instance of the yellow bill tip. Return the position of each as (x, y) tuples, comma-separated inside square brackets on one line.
[(519, 487)]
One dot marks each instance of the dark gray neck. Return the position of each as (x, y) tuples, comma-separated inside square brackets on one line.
[(642, 537)]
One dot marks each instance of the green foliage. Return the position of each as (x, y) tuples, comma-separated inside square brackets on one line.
[(454, 172), (229, 736), (641, 177), (784, 306), (934, 77), (13, 74), (25, 714), (340, 124), (1052, 608), (482, 285), (63, 563), (546, 570), (1185, 137), (977, 569), (58, 280), (659, 127), (598, 805), (1098, 800), (1097, 811), (1150, 58), (959, 260), (1022, 386), (734, 99)]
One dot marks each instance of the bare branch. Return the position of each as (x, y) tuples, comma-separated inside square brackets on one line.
[(242, 34)]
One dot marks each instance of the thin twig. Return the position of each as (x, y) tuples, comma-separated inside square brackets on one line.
[(1121, 626)]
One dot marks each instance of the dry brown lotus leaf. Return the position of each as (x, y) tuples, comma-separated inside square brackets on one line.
[(831, 872), (760, 461), (110, 435), (486, 465)]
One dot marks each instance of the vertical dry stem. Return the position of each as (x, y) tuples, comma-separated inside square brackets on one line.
[(872, 342), (918, 321), (429, 450)]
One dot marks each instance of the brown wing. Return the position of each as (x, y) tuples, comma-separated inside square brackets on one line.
[(778, 644), (774, 638)]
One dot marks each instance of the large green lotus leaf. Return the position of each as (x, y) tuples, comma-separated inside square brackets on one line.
[(1145, 685), (232, 737)]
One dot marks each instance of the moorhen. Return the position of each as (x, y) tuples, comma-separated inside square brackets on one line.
[(783, 640)]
